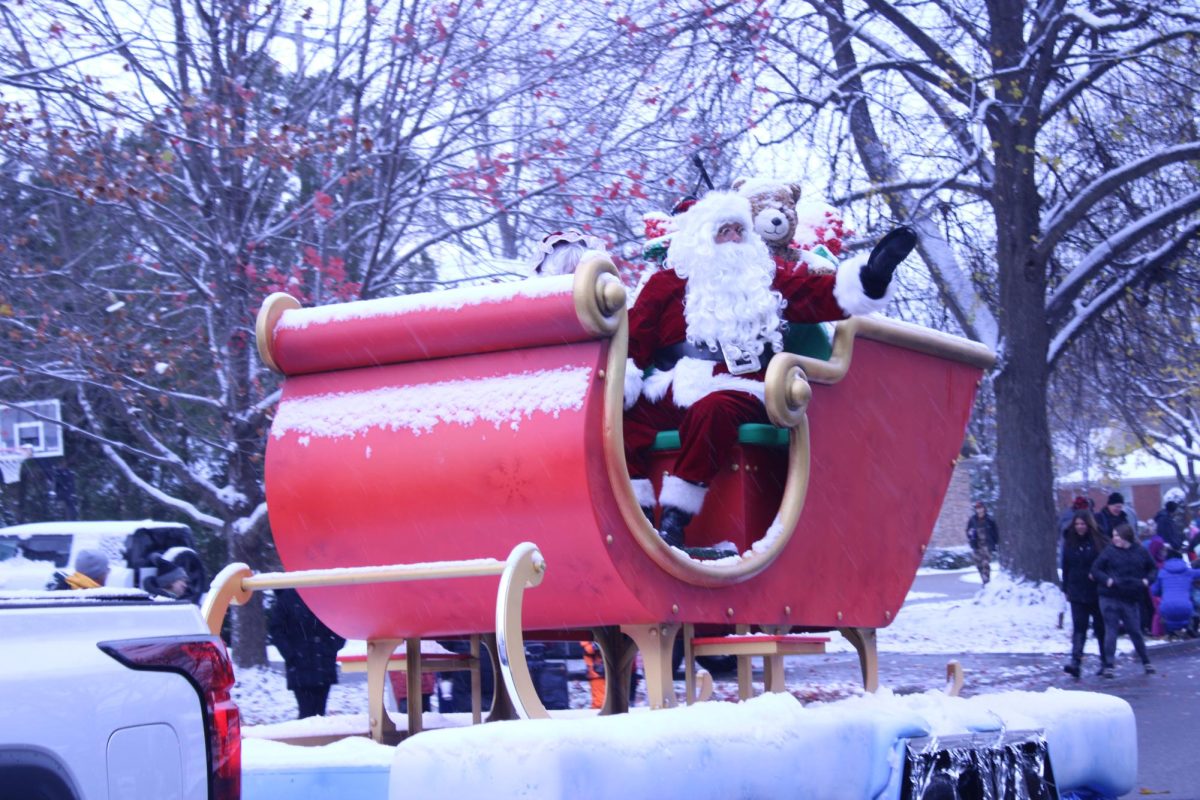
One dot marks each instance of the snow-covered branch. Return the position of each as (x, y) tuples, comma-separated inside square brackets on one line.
[(153, 491), (1061, 219), (1105, 253)]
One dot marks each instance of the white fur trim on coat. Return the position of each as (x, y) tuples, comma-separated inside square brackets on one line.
[(694, 379), (633, 383), (848, 289), (643, 491), (681, 494)]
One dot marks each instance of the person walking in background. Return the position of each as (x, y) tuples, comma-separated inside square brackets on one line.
[(1123, 573), (91, 572), (309, 651), (1081, 545), (1174, 586), (984, 537)]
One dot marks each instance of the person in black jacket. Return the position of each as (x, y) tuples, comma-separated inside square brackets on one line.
[(309, 651), (1167, 524), (1082, 543), (1123, 573)]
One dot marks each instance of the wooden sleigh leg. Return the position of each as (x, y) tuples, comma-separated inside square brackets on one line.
[(698, 683), (619, 654), (476, 682), (656, 643), (379, 652), (863, 640), (412, 677), (502, 707), (954, 678)]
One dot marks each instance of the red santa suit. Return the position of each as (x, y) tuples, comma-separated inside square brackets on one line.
[(691, 388)]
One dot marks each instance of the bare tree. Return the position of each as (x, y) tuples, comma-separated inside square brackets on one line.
[(1045, 153), (207, 153)]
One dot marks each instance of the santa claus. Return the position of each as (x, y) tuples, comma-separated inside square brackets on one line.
[(708, 324)]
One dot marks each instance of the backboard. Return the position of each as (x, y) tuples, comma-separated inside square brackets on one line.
[(33, 425)]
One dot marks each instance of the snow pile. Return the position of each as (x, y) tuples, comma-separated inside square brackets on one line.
[(1005, 616), (354, 752), (771, 746), (354, 767)]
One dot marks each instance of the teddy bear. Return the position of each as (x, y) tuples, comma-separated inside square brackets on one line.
[(815, 240)]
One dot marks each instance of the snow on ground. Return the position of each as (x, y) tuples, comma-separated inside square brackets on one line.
[(1003, 617)]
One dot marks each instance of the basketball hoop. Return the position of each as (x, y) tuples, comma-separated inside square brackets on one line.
[(11, 459)]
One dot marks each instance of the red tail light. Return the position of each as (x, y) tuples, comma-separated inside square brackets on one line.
[(205, 663)]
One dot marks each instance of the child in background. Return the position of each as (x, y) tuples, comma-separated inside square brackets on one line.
[(1174, 585)]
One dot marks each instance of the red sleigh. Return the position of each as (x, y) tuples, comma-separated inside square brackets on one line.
[(459, 424)]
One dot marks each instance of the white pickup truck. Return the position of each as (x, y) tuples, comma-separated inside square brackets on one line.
[(110, 693)]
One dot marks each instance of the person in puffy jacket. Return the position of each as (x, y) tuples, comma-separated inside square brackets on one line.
[(1123, 573), (91, 572), (1174, 586), (1082, 544)]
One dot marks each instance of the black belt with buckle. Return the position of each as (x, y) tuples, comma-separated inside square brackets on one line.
[(665, 358)]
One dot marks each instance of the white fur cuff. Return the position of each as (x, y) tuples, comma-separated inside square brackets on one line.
[(680, 494), (656, 384), (848, 289), (643, 490), (633, 383)]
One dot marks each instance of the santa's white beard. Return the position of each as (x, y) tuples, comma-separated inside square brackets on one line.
[(729, 300)]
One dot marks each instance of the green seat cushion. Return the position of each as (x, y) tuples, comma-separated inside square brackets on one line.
[(808, 340), (751, 433)]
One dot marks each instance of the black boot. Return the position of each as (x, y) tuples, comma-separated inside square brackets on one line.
[(649, 512), (1072, 669), (670, 528), (893, 248)]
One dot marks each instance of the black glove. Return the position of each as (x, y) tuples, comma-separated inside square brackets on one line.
[(876, 274)]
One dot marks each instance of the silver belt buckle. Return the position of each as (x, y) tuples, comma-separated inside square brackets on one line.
[(737, 362)]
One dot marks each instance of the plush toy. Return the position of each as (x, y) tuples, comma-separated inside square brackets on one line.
[(773, 212), (812, 234)]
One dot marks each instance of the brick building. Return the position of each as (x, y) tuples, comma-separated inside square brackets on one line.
[(948, 531)]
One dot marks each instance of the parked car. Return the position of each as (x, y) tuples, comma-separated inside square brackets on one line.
[(112, 693), (30, 554)]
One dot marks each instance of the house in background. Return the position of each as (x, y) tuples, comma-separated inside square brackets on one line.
[(1139, 476)]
